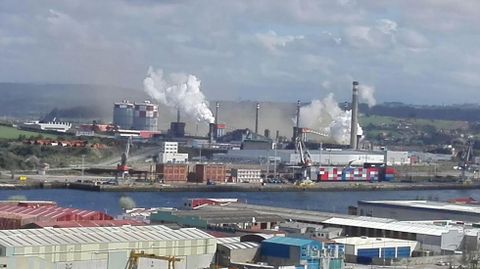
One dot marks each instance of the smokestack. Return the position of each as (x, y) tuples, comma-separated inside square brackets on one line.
[(354, 121), (297, 126), (178, 114), (217, 106), (211, 132), (256, 118)]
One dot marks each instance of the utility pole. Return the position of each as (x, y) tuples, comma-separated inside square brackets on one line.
[(275, 161)]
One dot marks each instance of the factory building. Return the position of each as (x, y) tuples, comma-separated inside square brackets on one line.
[(325, 157), (419, 210), (210, 172), (172, 172), (105, 247), (368, 250), (169, 153), (246, 175), (433, 238), (145, 116), (234, 254), (123, 114)]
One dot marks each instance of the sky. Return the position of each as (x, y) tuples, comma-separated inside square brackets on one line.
[(412, 51)]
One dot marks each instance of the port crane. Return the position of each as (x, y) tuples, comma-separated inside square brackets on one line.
[(122, 168), (466, 158), (305, 159), (135, 256)]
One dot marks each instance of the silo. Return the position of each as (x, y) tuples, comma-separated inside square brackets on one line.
[(123, 114), (145, 116)]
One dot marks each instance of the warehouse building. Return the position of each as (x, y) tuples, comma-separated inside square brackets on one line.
[(289, 251), (231, 252), (105, 248), (172, 172), (324, 157), (213, 218), (367, 250), (432, 238), (419, 210), (15, 215), (210, 172)]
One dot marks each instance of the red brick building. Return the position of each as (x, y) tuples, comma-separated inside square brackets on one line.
[(172, 172), (212, 171)]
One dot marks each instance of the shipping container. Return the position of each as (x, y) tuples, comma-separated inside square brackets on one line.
[(356, 174)]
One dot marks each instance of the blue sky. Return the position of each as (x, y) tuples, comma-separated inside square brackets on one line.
[(422, 51)]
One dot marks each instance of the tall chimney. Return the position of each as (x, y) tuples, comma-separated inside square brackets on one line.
[(354, 121), (256, 118), (178, 114), (297, 126), (217, 106)]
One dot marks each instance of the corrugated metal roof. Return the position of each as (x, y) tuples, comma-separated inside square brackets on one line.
[(72, 236), (241, 245), (227, 240), (374, 223), (288, 241), (85, 223), (53, 212), (425, 204)]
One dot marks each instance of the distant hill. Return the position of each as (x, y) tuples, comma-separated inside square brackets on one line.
[(464, 112), (26, 100), (81, 102), (95, 102)]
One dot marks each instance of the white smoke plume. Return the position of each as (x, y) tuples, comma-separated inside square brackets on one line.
[(325, 116), (178, 91), (366, 93)]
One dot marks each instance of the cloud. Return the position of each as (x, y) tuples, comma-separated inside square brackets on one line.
[(396, 46), (273, 42)]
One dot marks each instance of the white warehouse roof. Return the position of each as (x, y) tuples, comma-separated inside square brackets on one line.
[(424, 204), (392, 225), (96, 235)]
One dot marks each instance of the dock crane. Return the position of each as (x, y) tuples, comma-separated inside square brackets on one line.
[(122, 168), (466, 158), (135, 256)]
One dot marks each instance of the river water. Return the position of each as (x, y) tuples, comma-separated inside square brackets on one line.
[(335, 201)]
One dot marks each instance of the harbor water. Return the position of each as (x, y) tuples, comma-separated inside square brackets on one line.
[(335, 201)]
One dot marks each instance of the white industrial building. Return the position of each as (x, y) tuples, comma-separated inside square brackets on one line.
[(56, 126), (432, 237), (246, 175), (322, 157), (104, 247), (419, 210), (366, 249), (169, 153)]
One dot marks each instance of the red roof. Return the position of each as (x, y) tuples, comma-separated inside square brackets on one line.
[(84, 223), (463, 200), (53, 213)]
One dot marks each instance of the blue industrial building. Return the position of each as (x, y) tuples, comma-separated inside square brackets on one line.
[(284, 251)]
